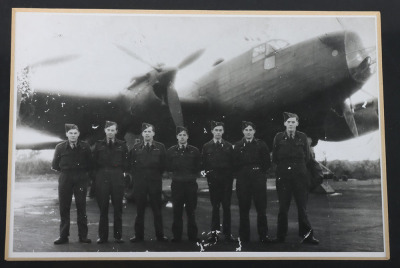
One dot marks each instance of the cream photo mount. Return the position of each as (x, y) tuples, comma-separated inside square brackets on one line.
[(85, 66)]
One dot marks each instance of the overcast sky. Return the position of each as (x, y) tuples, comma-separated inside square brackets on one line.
[(97, 66)]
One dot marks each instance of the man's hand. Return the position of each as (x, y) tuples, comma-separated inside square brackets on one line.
[(128, 181)]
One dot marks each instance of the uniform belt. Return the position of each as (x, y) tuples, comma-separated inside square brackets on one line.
[(146, 168), (253, 167), (293, 162), (221, 169), (69, 170), (110, 167)]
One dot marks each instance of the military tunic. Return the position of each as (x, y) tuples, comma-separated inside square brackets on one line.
[(74, 165), (291, 156), (111, 161), (185, 167), (251, 162), (217, 160), (148, 166)]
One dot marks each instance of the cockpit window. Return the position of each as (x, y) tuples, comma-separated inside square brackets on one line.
[(263, 50), (258, 53), (277, 44)]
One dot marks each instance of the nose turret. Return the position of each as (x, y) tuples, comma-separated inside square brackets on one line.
[(360, 60)]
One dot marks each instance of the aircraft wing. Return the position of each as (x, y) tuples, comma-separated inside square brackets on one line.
[(37, 146), (47, 112)]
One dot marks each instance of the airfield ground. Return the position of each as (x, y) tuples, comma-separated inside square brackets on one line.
[(349, 220)]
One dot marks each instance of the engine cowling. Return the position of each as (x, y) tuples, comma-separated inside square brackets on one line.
[(366, 120)]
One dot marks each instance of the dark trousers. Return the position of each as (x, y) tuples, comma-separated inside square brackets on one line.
[(151, 189), (288, 186), (220, 187), (73, 183), (110, 183), (252, 185), (184, 194)]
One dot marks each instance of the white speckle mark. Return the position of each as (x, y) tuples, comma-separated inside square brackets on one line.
[(364, 105), (240, 245)]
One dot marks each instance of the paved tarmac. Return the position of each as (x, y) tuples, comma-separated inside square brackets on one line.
[(349, 220)]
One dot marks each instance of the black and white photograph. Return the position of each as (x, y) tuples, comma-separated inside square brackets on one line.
[(188, 135)]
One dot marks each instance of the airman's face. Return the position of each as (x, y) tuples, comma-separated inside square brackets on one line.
[(291, 124), (249, 132), (111, 131), (218, 132), (72, 135), (182, 137), (148, 134)]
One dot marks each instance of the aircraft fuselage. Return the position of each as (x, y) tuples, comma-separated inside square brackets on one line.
[(311, 78)]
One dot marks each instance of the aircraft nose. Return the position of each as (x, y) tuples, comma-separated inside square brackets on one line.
[(360, 60)]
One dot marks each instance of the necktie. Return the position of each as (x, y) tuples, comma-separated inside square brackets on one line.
[(182, 148), (218, 143), (110, 144), (73, 146), (147, 147)]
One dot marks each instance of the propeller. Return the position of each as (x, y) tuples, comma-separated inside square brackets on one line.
[(174, 106), (348, 114), (53, 61), (190, 59), (185, 62), (133, 55), (162, 81)]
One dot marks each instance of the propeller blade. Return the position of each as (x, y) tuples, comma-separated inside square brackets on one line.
[(133, 55), (53, 61), (349, 117), (174, 106), (191, 58)]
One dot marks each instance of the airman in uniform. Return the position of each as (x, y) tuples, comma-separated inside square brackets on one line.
[(111, 162), (73, 158), (291, 153), (251, 161), (148, 160), (217, 161), (183, 162)]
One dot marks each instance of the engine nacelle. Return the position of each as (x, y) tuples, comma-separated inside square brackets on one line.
[(366, 118)]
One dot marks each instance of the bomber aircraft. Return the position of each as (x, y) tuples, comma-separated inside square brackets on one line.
[(314, 78)]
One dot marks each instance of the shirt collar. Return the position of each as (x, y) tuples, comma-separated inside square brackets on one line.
[(245, 140), (150, 143), (184, 145), (76, 144), (287, 134), (215, 140)]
